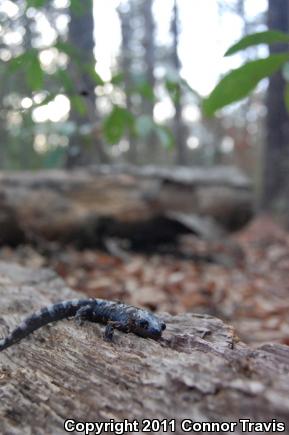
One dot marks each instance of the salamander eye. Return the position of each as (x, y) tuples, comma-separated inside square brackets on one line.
[(163, 326), (144, 324)]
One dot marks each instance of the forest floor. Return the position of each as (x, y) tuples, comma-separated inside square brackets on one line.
[(244, 280)]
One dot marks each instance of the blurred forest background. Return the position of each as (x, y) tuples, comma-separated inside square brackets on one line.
[(123, 81)]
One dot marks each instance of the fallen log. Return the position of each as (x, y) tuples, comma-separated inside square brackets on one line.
[(144, 206), (200, 371)]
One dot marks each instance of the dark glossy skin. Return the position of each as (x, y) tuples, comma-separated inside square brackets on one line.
[(115, 315)]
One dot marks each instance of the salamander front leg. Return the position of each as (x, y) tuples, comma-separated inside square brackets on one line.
[(109, 330), (84, 313)]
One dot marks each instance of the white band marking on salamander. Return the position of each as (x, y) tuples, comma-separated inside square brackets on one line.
[(23, 325), (50, 308)]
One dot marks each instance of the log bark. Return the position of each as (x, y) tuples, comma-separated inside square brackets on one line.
[(151, 204), (199, 371)]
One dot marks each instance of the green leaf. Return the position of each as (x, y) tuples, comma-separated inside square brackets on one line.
[(95, 77), (34, 73), (241, 81), (17, 62), (174, 90), (116, 123), (78, 104), (268, 37), (66, 48), (286, 97), (29, 63), (117, 79), (165, 136), (35, 3), (145, 89), (285, 71), (66, 81), (80, 7)]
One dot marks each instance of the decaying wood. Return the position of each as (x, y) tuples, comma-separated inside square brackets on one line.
[(151, 204), (198, 371)]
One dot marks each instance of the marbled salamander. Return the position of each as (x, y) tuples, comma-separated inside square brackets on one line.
[(114, 315)]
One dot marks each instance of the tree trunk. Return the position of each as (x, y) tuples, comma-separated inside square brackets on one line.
[(178, 120), (149, 68), (126, 67), (276, 158), (199, 370), (149, 48), (84, 149)]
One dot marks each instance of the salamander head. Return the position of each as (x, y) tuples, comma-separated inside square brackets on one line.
[(148, 325)]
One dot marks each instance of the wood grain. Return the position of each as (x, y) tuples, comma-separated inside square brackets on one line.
[(198, 371)]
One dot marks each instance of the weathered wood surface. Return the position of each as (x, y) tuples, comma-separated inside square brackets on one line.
[(91, 204), (199, 371)]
